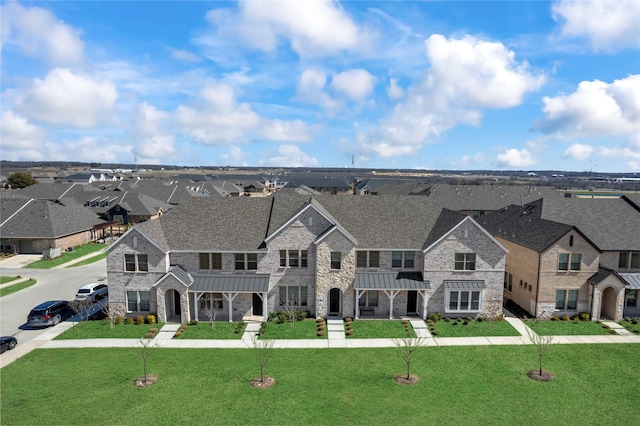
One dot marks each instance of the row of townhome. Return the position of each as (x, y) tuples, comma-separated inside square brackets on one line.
[(571, 255), (384, 257)]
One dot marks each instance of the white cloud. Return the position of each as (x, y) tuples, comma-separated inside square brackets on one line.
[(286, 131), (149, 120), (608, 25), (394, 91), (18, 134), (596, 108), (515, 158), (235, 157), (36, 31), (578, 151), (67, 97), (468, 160), (356, 84), (157, 149), (311, 88), (184, 55), (289, 156)]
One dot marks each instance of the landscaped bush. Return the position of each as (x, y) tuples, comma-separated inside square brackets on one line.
[(584, 316), (612, 332), (193, 322), (555, 318), (565, 318), (349, 332), (151, 319), (119, 319), (129, 321), (436, 316), (263, 328), (479, 319), (140, 320), (320, 333), (280, 317), (240, 327)]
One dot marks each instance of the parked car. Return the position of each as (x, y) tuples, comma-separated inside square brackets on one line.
[(92, 292), (7, 343), (50, 313)]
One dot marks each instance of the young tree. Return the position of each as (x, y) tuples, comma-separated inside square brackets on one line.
[(408, 345), (210, 310), (542, 345), (146, 346), (82, 308), (290, 307), (262, 349), (109, 312), (19, 180), (494, 311)]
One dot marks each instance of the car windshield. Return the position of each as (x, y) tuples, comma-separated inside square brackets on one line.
[(39, 312)]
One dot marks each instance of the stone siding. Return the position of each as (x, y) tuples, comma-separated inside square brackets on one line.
[(327, 278)]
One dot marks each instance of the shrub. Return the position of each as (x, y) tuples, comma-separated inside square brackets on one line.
[(434, 333), (193, 322), (140, 320), (349, 332), (584, 316), (555, 318), (565, 318), (404, 322), (469, 319), (178, 333), (129, 320), (612, 332), (479, 319), (154, 330), (151, 319), (348, 319), (465, 322), (436, 316), (119, 319), (320, 333), (598, 322), (454, 322), (445, 320), (320, 320), (605, 326), (150, 335)]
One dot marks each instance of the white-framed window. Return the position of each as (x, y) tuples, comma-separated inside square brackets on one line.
[(136, 262), (569, 261), (463, 300), (367, 259), (246, 261), (402, 259), (631, 298), (336, 260), (138, 301), (566, 299), (465, 262), (293, 258), (294, 294), (369, 298), (208, 261), (629, 260), (210, 300)]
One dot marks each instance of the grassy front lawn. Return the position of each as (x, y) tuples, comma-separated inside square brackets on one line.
[(16, 287), (379, 329), (222, 330), (101, 329), (305, 329), (458, 328), (631, 324), (4, 280), (66, 256), (566, 328), (88, 261), (594, 384)]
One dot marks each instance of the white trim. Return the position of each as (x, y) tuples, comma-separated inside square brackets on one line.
[(484, 231), (447, 295), (295, 216), (341, 230), (157, 283), (118, 241)]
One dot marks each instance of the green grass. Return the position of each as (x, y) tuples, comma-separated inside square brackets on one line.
[(379, 329), (474, 329), (305, 329), (101, 329), (594, 384), (66, 256), (4, 280), (222, 330), (16, 287), (88, 261), (629, 325), (566, 328)]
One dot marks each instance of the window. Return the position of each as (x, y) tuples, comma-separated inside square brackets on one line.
[(465, 262), (510, 284), (138, 301), (631, 298), (566, 299), (568, 261), (293, 258), (294, 294), (210, 261), (464, 300), (248, 261), (397, 258), (369, 298), (570, 240), (336, 258), (575, 261), (136, 263), (629, 259), (211, 301), (370, 259), (563, 261)]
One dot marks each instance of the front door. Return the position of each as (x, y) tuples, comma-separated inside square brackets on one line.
[(257, 304), (177, 307), (412, 302), (334, 301)]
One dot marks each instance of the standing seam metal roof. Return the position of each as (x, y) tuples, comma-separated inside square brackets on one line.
[(390, 281)]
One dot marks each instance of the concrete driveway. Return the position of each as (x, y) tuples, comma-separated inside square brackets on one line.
[(19, 260)]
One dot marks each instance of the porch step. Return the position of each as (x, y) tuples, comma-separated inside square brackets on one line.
[(336, 329)]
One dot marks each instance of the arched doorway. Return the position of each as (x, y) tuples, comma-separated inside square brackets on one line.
[(608, 304), (334, 301), (173, 306)]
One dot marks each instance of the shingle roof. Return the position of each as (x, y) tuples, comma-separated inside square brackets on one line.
[(487, 197)]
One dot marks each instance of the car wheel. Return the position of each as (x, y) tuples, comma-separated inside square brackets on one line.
[(56, 320), (12, 344)]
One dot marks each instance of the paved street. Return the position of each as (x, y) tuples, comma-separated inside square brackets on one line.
[(52, 284)]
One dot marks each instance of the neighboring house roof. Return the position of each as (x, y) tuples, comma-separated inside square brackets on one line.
[(29, 218), (141, 204), (317, 182), (174, 192), (51, 191)]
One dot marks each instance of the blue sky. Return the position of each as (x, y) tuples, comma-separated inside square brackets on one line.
[(505, 85)]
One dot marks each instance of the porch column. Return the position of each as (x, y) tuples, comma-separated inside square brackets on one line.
[(197, 296), (359, 294), (265, 314), (391, 294), (230, 296), (425, 299)]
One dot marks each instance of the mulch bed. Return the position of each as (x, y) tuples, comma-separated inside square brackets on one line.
[(140, 383), (546, 376), (402, 379), (266, 383)]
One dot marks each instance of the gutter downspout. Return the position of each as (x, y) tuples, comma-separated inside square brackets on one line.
[(538, 285)]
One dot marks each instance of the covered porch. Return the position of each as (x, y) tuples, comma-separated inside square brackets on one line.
[(392, 284), (229, 287)]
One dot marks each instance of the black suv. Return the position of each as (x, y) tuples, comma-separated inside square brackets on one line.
[(49, 313)]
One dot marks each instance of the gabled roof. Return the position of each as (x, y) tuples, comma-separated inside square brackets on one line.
[(51, 191), (487, 197), (29, 218)]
